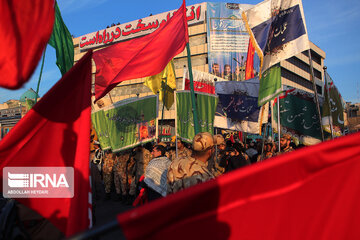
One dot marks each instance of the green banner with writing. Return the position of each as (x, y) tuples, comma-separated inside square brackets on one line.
[(100, 124), (206, 106), (132, 122), (299, 117)]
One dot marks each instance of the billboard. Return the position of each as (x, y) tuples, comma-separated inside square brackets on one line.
[(227, 40)]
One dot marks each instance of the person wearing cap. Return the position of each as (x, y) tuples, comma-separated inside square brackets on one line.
[(187, 171), (285, 141)]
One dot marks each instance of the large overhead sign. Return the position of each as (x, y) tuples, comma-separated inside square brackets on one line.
[(195, 14)]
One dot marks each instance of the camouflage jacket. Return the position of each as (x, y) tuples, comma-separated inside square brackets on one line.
[(120, 163), (142, 159), (108, 160), (185, 172)]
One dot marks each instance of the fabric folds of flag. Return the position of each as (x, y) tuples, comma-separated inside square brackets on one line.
[(313, 196), (298, 116), (203, 81), (238, 106), (278, 30), (61, 40), (206, 105), (249, 65), (270, 85), (55, 133), (164, 83), (335, 112), (135, 58), (26, 27)]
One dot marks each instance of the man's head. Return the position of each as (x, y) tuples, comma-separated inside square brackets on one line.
[(238, 148), (227, 69), (100, 103), (285, 141), (203, 146), (180, 144), (219, 141), (158, 151), (216, 68)]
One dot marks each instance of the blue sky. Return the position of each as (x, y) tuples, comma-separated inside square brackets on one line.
[(332, 25)]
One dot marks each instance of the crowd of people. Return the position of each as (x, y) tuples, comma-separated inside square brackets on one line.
[(151, 171)]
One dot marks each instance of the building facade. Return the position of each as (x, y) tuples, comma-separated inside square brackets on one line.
[(295, 70)]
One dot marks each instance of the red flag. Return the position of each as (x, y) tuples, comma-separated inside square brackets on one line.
[(249, 66), (140, 57), (56, 133), (200, 86), (25, 27), (311, 193)]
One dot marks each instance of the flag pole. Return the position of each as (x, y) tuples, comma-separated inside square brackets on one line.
[(278, 122), (41, 70), (192, 93), (316, 95), (163, 108), (110, 98), (176, 150), (328, 102)]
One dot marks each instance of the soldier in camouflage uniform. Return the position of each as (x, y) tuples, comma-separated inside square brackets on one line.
[(142, 157), (188, 171), (108, 163), (120, 174), (219, 141), (183, 151)]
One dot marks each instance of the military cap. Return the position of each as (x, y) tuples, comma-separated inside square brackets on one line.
[(202, 142), (162, 144), (219, 139)]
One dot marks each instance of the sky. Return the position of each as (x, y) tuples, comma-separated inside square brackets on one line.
[(332, 25)]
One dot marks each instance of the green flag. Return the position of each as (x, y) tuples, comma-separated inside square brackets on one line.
[(131, 122), (100, 124), (270, 85), (298, 116), (206, 105), (61, 40), (334, 112)]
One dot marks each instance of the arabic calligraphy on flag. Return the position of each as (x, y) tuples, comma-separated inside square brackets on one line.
[(238, 108), (206, 104), (298, 116), (131, 122), (279, 30), (335, 112)]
